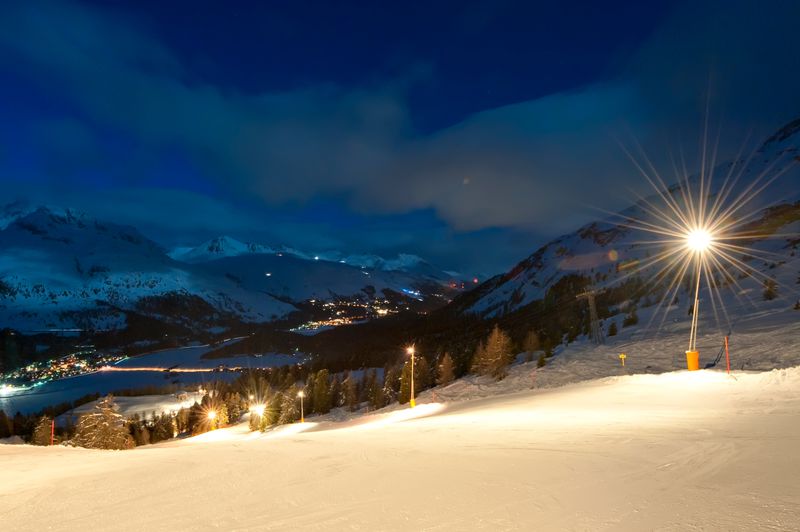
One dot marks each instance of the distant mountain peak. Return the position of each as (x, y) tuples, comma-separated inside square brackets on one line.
[(217, 248)]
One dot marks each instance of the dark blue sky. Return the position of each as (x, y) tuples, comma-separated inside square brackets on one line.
[(466, 132)]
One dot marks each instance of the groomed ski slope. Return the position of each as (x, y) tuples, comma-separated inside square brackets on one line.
[(674, 451)]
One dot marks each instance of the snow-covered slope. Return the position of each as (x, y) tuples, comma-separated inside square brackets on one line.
[(677, 451), (608, 250)]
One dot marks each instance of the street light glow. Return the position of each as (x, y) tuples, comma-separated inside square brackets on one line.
[(698, 240), (410, 351), (301, 393), (258, 409), (212, 414), (701, 231)]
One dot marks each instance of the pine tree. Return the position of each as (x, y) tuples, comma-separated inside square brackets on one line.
[(290, 408), (532, 342), (478, 358), (103, 428), (364, 386), (235, 406), (770, 290), (220, 418), (404, 395), (444, 373), (5, 425), (542, 361), (351, 392), (163, 428), (336, 392), (796, 307), (182, 421), (198, 418), (322, 393), (375, 394), (612, 329), (42, 432), (309, 390), (422, 376), (391, 384), (138, 430), (272, 412), (632, 318), (255, 421), (495, 356)]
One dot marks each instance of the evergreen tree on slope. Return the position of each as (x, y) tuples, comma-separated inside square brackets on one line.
[(493, 357), (42, 432), (103, 428)]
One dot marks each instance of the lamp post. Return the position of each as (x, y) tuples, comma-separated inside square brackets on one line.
[(212, 416), (698, 241), (301, 394), (410, 351)]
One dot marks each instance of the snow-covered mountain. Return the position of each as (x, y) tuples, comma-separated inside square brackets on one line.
[(606, 251), (225, 246), (60, 268), (217, 248)]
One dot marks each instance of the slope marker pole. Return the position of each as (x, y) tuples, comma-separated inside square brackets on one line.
[(727, 356)]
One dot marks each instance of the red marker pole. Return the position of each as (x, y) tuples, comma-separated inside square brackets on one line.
[(727, 356), (52, 431)]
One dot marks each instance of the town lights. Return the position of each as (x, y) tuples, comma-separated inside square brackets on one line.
[(410, 352)]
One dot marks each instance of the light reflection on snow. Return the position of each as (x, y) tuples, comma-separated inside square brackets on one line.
[(290, 430), (399, 416)]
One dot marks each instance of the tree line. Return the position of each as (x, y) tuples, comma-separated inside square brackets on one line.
[(272, 397)]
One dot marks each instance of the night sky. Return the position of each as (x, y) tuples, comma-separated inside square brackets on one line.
[(466, 132)]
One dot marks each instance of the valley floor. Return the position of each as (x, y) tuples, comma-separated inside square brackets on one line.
[(674, 451)]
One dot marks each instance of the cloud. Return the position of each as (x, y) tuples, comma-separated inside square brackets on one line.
[(534, 166)]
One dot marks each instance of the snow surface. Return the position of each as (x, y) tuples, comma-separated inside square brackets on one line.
[(143, 405), (675, 451)]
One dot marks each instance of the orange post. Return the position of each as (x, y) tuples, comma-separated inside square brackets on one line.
[(692, 360), (727, 356), (52, 431)]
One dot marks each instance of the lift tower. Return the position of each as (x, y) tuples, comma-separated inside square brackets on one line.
[(597, 333)]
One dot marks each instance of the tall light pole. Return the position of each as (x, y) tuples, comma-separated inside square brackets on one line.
[(698, 241), (410, 351), (301, 394)]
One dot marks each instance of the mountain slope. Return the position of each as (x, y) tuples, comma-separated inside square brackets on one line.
[(606, 252), (60, 268)]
